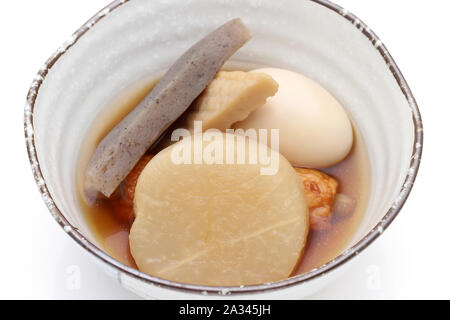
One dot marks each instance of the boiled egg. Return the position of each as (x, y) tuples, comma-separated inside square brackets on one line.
[(314, 129)]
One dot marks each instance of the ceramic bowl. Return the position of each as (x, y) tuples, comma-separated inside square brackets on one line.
[(129, 40)]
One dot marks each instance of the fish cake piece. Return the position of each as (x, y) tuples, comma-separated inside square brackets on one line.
[(230, 98), (123, 205), (320, 190)]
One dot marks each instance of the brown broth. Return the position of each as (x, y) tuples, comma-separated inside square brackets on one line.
[(322, 246)]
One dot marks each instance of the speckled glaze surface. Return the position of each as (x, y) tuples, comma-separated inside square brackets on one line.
[(385, 206)]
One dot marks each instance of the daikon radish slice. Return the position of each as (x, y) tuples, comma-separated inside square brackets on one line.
[(218, 224)]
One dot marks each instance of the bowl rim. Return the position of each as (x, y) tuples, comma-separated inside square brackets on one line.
[(221, 290)]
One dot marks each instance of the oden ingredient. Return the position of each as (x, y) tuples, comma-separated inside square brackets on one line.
[(122, 148), (220, 224), (320, 190), (123, 205), (230, 98), (315, 131)]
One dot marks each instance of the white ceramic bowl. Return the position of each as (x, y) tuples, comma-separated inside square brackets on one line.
[(130, 40)]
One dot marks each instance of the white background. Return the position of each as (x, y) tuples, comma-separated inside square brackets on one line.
[(410, 260)]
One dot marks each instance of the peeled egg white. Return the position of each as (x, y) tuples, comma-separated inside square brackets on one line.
[(315, 130)]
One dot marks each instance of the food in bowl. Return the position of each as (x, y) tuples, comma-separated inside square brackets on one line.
[(227, 205)]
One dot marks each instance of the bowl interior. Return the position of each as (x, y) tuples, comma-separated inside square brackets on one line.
[(138, 39)]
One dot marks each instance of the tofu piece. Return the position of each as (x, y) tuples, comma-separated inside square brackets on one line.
[(230, 98), (218, 224)]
